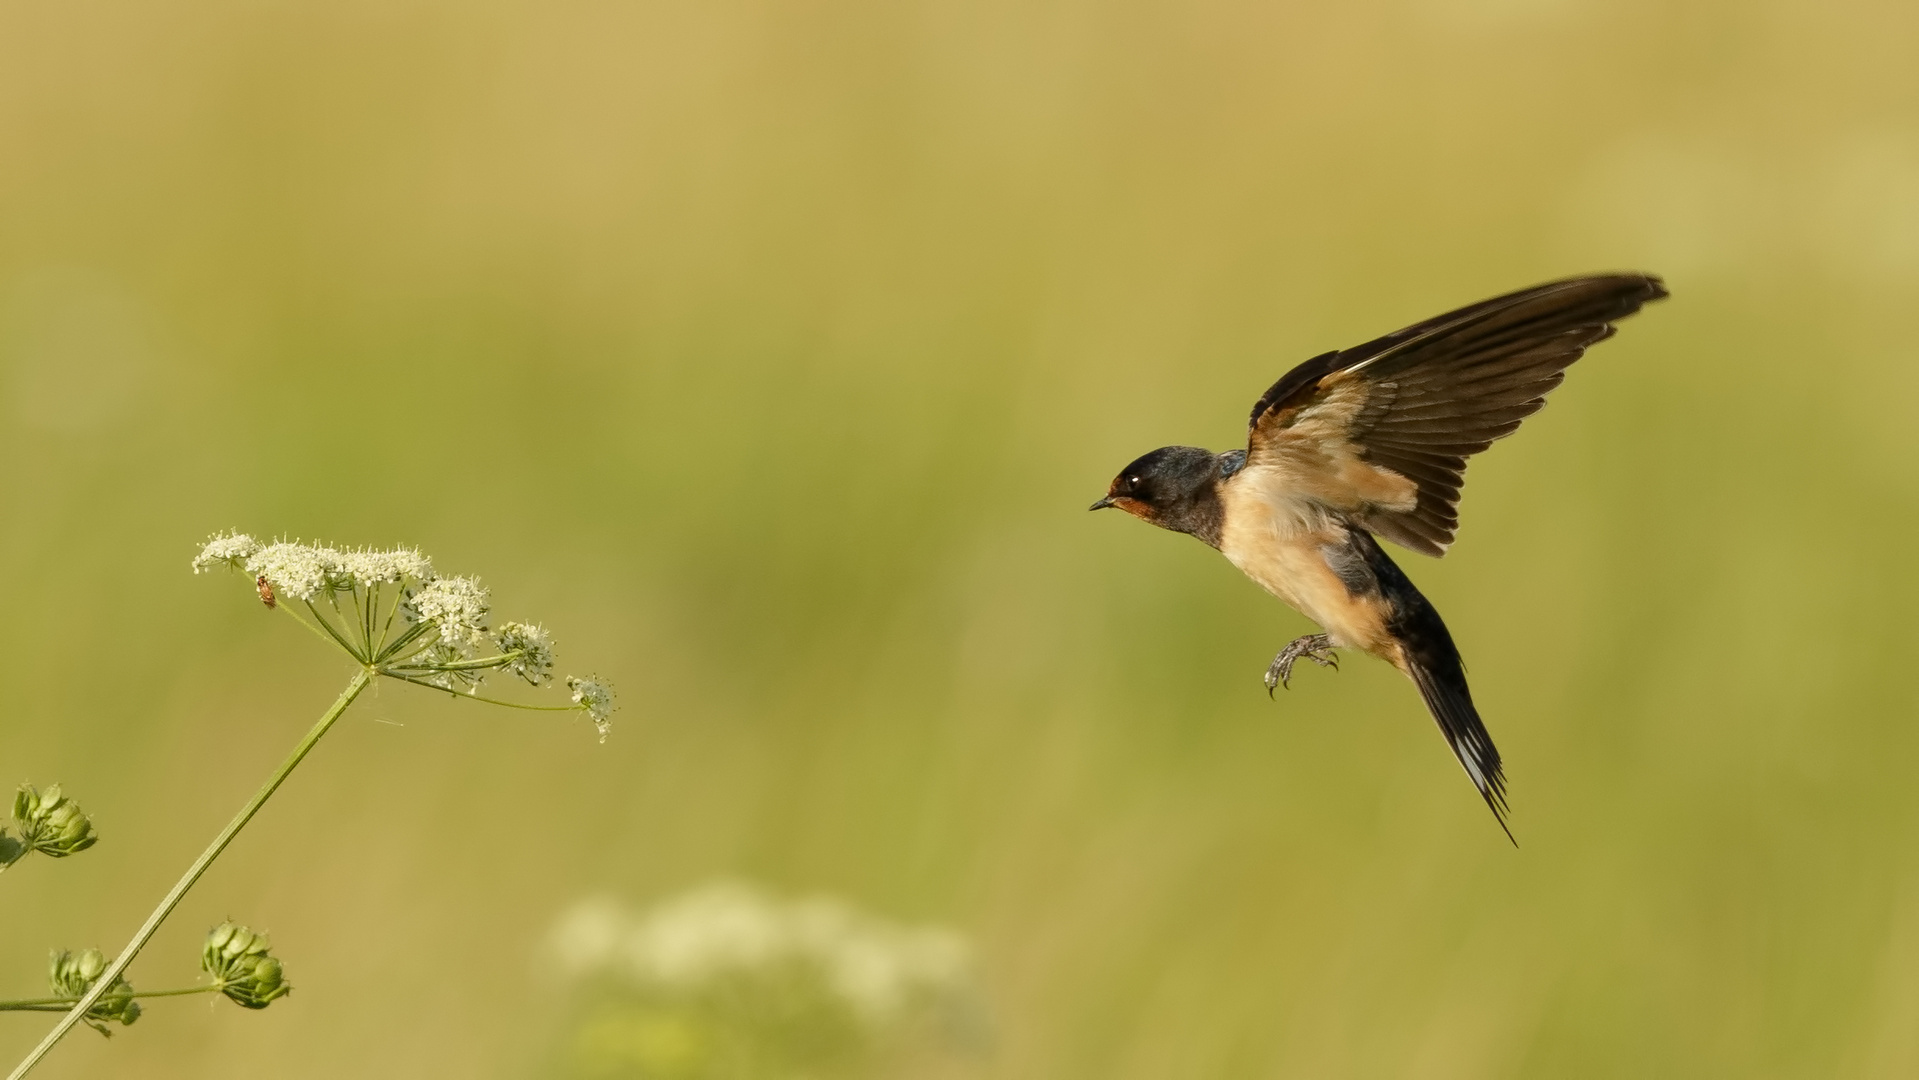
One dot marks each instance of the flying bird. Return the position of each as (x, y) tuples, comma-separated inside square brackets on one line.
[(1371, 443)]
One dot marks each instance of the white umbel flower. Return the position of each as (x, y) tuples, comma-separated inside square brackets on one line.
[(231, 549), (456, 607), (535, 646), (394, 615), (596, 697), (300, 571)]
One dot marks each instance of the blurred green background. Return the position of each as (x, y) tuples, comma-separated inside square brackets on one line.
[(770, 353)]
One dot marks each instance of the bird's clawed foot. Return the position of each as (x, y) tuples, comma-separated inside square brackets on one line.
[(1315, 647)]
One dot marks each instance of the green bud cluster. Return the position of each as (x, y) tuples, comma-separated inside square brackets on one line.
[(241, 966), (51, 823), (73, 974)]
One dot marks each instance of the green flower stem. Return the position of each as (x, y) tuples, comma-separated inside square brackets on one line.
[(62, 1004), (483, 662), (464, 696), (332, 633), (386, 627), (391, 653), (363, 614), (333, 601), (112, 974), (312, 629)]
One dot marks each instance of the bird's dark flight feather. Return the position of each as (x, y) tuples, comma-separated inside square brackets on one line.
[(1435, 393)]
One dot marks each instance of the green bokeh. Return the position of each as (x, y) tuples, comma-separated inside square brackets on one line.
[(770, 354)]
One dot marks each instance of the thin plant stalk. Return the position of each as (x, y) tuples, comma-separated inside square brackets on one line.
[(112, 973), (62, 1004)]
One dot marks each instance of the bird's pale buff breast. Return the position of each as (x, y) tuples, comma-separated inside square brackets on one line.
[(1280, 541)]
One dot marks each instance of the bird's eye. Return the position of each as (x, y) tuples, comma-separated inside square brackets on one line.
[(1132, 481)]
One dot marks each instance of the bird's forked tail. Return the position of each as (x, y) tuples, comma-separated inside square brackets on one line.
[(1427, 655), (1442, 682)]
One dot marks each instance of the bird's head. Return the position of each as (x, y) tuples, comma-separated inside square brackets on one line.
[(1174, 487)]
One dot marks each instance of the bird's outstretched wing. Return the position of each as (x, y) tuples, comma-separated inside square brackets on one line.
[(1382, 431)]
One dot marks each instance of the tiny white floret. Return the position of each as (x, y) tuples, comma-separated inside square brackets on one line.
[(596, 697)]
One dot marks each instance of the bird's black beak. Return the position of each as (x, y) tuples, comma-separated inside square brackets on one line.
[(1102, 504)]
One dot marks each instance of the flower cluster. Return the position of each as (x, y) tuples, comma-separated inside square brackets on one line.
[(727, 930), (393, 613), (241, 966), (596, 697), (51, 823), (533, 646), (73, 974), (455, 607), (305, 571), (727, 980)]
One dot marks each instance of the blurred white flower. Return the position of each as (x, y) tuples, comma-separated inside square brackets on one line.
[(878, 969), (689, 939)]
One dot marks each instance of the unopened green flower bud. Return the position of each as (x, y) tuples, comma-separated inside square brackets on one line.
[(241, 966), (260, 986), (73, 974), (51, 823)]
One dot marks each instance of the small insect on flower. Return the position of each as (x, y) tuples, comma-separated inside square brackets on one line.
[(266, 590)]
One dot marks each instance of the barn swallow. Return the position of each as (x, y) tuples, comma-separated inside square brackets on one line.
[(1371, 442)]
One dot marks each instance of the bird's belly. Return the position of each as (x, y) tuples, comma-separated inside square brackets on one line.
[(1286, 556)]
